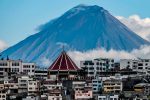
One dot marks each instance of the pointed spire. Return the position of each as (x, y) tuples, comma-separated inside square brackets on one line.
[(63, 62)]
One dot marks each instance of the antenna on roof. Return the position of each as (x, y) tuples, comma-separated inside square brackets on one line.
[(63, 47), (7, 57)]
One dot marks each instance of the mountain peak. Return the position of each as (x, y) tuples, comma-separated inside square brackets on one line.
[(82, 28), (87, 8)]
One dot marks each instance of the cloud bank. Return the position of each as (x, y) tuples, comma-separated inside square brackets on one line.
[(3, 45), (77, 56), (138, 25)]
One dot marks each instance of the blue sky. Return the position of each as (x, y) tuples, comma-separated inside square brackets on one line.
[(20, 18)]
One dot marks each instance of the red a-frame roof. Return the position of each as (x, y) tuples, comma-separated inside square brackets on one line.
[(63, 63)]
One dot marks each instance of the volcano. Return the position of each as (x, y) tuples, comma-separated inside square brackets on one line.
[(81, 28)]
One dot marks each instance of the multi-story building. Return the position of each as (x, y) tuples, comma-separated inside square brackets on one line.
[(23, 84), (94, 67), (33, 87), (82, 90), (112, 86), (8, 67), (4, 69), (128, 63), (54, 89), (3, 92), (108, 97), (143, 88), (28, 68), (142, 66), (97, 85), (41, 73)]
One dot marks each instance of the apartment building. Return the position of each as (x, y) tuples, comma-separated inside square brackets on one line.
[(33, 87), (82, 90), (108, 97), (54, 89), (142, 66), (41, 73), (23, 83), (97, 85), (143, 88), (28, 68), (94, 67), (112, 86), (8, 67)]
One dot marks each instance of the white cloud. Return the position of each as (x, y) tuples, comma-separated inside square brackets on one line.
[(77, 56), (138, 25), (143, 52), (3, 45), (45, 62)]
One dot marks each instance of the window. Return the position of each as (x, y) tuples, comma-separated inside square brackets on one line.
[(97, 68), (91, 68), (140, 67), (140, 64), (30, 88), (97, 63), (3, 96), (91, 72)]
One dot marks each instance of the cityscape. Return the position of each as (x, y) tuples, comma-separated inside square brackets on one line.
[(92, 51), (97, 79)]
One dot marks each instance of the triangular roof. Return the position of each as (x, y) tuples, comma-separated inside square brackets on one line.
[(63, 63)]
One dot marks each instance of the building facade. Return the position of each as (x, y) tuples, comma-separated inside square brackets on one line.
[(96, 66)]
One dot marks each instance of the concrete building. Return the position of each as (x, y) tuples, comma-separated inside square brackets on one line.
[(8, 67), (108, 97), (23, 84), (82, 90), (97, 85), (142, 66), (3, 92), (96, 66), (54, 89), (41, 73), (142, 88), (33, 87), (112, 86), (28, 68)]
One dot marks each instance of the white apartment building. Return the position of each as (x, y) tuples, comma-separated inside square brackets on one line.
[(28, 68), (33, 87), (41, 73), (94, 67), (23, 83), (128, 63), (15, 66), (142, 66)]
